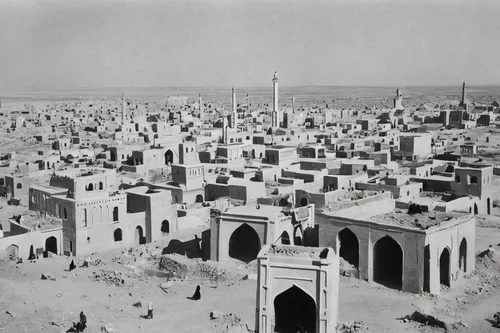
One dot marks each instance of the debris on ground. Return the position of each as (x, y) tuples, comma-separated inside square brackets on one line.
[(48, 276), (173, 267), (425, 319), (350, 327), (110, 277)]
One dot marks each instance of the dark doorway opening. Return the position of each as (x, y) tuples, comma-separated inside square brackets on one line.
[(50, 246), (139, 235), (476, 210), (462, 257), (444, 267), (169, 157), (165, 227), (32, 253), (118, 235), (427, 271), (199, 198), (349, 247), (294, 309), (115, 214), (303, 202), (244, 244), (298, 235), (488, 206), (285, 238), (388, 263)]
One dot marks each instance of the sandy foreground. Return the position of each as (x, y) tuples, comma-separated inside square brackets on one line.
[(29, 304)]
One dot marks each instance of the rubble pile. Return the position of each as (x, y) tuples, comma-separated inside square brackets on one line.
[(173, 267), (204, 271), (228, 323), (350, 327), (110, 277), (425, 319)]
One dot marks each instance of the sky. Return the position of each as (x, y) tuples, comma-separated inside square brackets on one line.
[(56, 44)]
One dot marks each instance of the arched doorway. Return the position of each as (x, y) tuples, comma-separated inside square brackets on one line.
[(50, 246), (476, 211), (32, 253), (488, 206), (297, 235), (285, 238), (244, 243), (303, 202), (165, 227), (199, 198), (294, 309), (139, 235), (444, 267), (118, 235), (388, 263), (462, 257), (169, 157), (349, 247)]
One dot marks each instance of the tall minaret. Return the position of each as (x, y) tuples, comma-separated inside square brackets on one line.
[(293, 104), (275, 115), (200, 105), (463, 94), (234, 113), (124, 108), (398, 100), (248, 103)]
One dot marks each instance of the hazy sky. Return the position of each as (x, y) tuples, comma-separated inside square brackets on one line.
[(85, 43)]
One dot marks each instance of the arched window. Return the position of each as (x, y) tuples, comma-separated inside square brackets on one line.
[(101, 186), (90, 187), (65, 213), (473, 180), (118, 235), (115, 214), (19, 185)]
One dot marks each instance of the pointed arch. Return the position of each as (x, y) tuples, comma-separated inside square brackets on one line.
[(462, 257), (388, 262), (285, 238), (444, 267), (244, 243), (294, 310), (349, 247)]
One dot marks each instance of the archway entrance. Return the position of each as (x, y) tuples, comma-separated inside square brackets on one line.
[(297, 235), (349, 247), (294, 309), (462, 257), (388, 263), (488, 206), (476, 211), (165, 227), (444, 267), (244, 244), (50, 246), (285, 238), (199, 198), (169, 157), (117, 235), (139, 235), (427, 271)]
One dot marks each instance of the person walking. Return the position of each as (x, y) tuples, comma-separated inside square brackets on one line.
[(150, 311)]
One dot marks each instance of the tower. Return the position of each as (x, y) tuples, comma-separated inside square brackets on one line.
[(463, 94), (275, 115), (224, 130), (248, 103), (200, 105), (293, 104), (398, 100), (124, 108), (234, 113)]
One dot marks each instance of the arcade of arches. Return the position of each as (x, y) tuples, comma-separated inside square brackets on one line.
[(388, 263)]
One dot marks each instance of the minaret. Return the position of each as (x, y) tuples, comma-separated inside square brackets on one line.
[(124, 108), (293, 104), (398, 100), (275, 115), (463, 94), (248, 103), (200, 105), (234, 113), (224, 130)]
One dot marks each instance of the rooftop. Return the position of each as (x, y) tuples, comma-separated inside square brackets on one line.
[(421, 221)]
